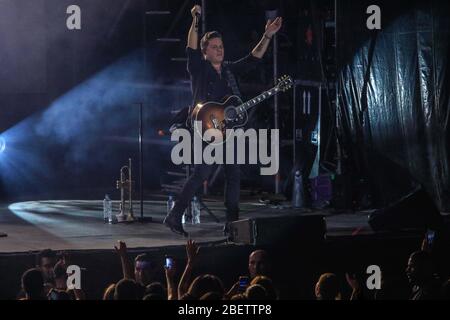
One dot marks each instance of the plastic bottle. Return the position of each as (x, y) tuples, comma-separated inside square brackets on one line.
[(170, 204), (195, 210), (107, 210), (183, 218), (297, 190)]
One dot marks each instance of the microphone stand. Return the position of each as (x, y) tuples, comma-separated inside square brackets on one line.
[(141, 168)]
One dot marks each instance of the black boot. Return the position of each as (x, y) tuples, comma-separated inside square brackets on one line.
[(226, 229), (173, 221)]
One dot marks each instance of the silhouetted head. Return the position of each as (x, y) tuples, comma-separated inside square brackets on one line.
[(267, 284), (420, 268), (258, 264), (156, 288), (45, 261), (256, 292), (33, 284), (60, 274), (126, 289), (205, 284), (144, 269), (327, 287)]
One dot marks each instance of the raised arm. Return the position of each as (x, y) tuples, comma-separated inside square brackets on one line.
[(127, 265), (272, 27), (172, 293), (192, 41), (192, 253)]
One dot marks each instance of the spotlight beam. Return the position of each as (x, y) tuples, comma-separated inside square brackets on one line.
[(2, 144)]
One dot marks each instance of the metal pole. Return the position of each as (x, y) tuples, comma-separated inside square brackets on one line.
[(141, 151), (144, 42), (275, 102), (205, 186), (294, 127), (203, 16), (141, 126), (338, 94), (141, 163)]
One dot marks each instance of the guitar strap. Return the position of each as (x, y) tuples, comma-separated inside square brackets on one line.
[(232, 83), (188, 117)]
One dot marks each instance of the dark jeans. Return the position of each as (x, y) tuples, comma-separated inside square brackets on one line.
[(195, 181)]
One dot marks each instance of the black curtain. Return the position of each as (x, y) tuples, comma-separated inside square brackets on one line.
[(393, 98)]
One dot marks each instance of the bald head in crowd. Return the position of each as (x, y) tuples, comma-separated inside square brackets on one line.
[(258, 263)]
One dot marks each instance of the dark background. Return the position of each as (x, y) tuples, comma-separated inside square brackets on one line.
[(394, 97)]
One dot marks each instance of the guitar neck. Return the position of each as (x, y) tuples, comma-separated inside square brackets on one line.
[(258, 99)]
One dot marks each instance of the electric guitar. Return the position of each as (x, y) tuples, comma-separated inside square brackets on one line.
[(232, 113)]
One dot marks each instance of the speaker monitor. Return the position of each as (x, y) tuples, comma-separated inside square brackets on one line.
[(270, 230)]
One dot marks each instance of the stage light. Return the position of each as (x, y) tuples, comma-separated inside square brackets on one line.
[(2, 144)]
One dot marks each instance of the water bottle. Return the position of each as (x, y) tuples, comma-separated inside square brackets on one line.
[(195, 210), (170, 204), (297, 191), (107, 210), (183, 218)]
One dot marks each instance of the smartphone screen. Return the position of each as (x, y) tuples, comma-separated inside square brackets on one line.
[(169, 262), (430, 237), (243, 283)]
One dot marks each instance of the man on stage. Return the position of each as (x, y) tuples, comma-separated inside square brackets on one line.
[(212, 79)]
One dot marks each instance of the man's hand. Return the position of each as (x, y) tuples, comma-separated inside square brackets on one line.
[(192, 251), (122, 249), (192, 41), (172, 290), (196, 10), (171, 272), (272, 27), (61, 262), (352, 281)]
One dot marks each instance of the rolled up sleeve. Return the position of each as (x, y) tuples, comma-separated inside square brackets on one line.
[(194, 60)]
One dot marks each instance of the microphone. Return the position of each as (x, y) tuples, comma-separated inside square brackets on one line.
[(197, 18)]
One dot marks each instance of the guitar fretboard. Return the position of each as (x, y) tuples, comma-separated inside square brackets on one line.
[(253, 102)]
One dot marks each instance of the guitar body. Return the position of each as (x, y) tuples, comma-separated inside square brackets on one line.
[(230, 114), (220, 116)]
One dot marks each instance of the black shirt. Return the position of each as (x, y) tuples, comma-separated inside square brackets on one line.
[(206, 83)]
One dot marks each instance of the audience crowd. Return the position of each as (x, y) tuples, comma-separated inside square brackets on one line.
[(48, 280)]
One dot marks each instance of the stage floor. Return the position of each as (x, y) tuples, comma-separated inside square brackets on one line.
[(78, 225)]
